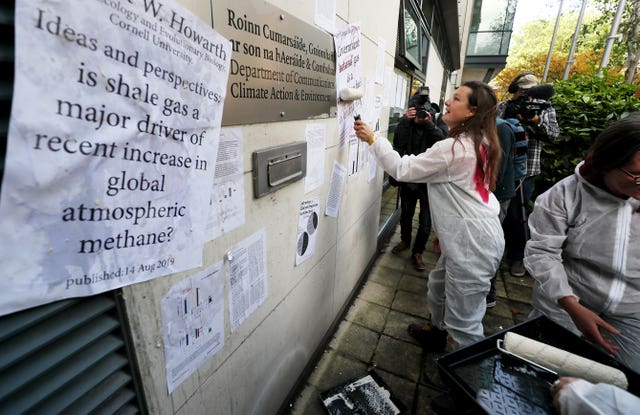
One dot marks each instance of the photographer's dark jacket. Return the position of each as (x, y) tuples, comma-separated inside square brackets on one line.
[(412, 138), (505, 182)]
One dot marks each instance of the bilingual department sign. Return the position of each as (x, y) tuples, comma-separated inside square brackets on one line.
[(112, 145), (282, 68)]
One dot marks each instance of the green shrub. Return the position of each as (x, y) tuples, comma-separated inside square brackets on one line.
[(584, 104)]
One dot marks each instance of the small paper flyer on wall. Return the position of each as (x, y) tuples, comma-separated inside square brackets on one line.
[(112, 145), (308, 223)]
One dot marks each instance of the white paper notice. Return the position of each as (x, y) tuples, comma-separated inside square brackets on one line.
[(348, 75), (401, 92), (227, 200), (193, 323), (377, 108), (316, 135), (112, 145), (335, 190), (308, 221), (390, 80), (247, 277)]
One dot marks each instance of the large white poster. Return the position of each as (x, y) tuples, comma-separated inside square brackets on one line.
[(348, 75), (112, 145)]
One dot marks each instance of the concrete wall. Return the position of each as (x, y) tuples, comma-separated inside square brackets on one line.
[(263, 358)]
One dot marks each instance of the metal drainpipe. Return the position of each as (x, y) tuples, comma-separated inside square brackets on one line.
[(575, 40), (553, 40), (612, 36)]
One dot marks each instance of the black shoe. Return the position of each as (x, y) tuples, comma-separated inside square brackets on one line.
[(401, 246), (491, 300), (418, 262), (517, 268), (430, 338)]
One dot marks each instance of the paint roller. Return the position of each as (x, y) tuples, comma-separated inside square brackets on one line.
[(350, 94), (560, 361)]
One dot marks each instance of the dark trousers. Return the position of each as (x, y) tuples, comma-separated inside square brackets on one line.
[(408, 200), (515, 236), (504, 207)]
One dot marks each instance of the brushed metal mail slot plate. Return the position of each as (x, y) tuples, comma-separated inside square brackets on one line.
[(275, 167), (285, 169)]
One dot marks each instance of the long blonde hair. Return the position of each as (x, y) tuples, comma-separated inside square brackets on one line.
[(480, 126)]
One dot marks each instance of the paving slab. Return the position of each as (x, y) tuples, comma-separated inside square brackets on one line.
[(373, 333)]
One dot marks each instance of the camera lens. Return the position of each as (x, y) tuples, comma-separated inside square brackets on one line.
[(421, 112)]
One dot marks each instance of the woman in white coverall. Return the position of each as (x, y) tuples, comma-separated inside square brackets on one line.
[(459, 171), (584, 251), (574, 396)]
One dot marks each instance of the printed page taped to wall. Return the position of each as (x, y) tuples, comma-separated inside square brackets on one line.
[(227, 199), (111, 149), (247, 277), (316, 137), (336, 185), (193, 323), (308, 223)]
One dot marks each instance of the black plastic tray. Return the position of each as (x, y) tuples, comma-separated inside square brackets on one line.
[(500, 384)]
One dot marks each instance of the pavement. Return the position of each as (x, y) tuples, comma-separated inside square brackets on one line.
[(373, 334)]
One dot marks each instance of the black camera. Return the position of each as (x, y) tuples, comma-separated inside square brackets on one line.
[(525, 108), (532, 103), (423, 110), (422, 103)]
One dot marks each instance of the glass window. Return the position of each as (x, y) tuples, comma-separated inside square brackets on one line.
[(424, 49), (484, 43), (491, 27), (427, 10), (489, 15), (411, 37)]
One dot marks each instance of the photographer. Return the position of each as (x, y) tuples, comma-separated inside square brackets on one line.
[(530, 105), (415, 133)]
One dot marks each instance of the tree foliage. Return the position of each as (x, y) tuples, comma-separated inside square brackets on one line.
[(529, 49), (626, 51), (530, 46), (585, 105)]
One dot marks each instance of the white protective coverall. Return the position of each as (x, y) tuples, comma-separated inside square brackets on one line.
[(585, 398), (585, 242), (465, 217)]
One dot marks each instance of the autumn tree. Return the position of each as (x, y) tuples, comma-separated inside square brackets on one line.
[(530, 46)]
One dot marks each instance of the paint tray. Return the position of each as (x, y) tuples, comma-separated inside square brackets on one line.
[(501, 383), (367, 395)]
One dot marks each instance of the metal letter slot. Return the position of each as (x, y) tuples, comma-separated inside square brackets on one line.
[(275, 167), (284, 169)]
